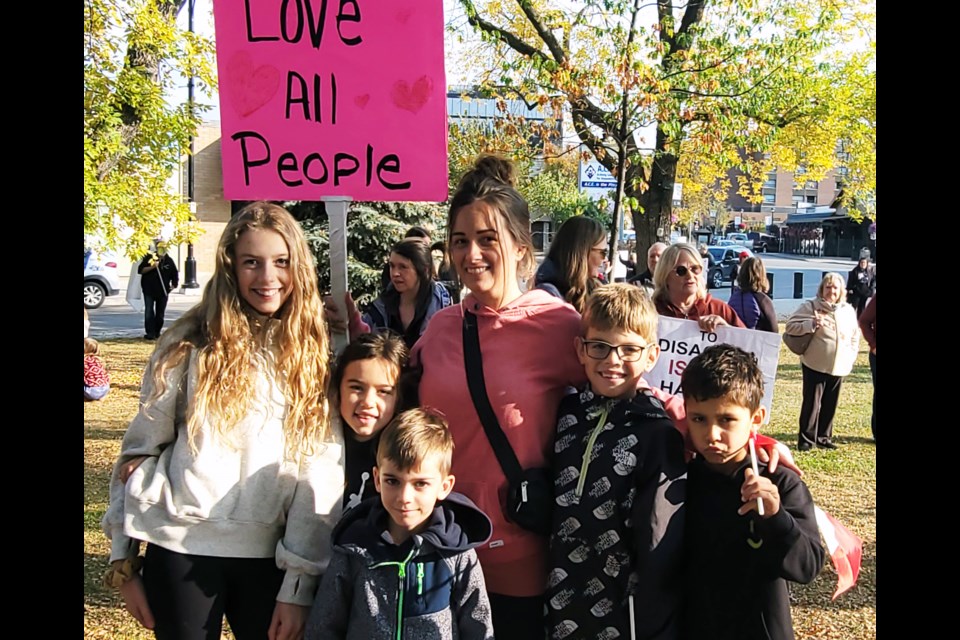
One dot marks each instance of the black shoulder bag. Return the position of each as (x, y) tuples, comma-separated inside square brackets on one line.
[(529, 491)]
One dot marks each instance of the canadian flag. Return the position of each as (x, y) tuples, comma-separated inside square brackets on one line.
[(844, 547)]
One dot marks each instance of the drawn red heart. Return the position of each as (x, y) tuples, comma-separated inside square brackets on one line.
[(361, 101), (412, 98), (250, 86)]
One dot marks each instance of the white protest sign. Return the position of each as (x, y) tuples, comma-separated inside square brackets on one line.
[(681, 340)]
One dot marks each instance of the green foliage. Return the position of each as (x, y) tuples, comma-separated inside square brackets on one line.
[(372, 228), (547, 179), (134, 56), (554, 191)]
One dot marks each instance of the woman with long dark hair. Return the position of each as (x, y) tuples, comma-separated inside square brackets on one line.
[(410, 299), (570, 269)]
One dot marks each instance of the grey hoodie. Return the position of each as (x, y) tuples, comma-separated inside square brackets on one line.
[(429, 587)]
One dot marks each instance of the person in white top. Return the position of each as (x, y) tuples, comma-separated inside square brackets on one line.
[(230, 472), (827, 360)]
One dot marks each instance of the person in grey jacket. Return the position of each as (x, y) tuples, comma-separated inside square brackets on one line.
[(404, 564)]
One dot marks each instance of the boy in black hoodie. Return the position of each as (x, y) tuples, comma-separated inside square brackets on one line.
[(739, 557), (618, 467), (404, 563)]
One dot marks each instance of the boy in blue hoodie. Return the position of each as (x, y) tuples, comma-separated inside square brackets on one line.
[(404, 563)]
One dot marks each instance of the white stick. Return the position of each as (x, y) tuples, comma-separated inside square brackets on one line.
[(756, 470), (336, 207)]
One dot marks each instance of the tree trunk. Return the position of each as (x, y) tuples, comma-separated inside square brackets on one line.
[(656, 202), (147, 63)]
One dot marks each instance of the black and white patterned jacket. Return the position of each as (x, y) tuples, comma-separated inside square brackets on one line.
[(620, 482)]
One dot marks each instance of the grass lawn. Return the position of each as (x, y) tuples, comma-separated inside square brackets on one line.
[(843, 482)]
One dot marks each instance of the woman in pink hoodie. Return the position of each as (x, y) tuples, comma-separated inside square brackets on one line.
[(526, 343)]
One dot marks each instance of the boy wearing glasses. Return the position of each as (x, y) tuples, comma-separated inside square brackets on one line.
[(619, 482)]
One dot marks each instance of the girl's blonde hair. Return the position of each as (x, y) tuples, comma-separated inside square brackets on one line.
[(668, 262), (91, 347), (226, 334)]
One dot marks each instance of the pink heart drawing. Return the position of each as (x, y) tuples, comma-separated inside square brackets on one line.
[(412, 98), (250, 87), (361, 101), (404, 14)]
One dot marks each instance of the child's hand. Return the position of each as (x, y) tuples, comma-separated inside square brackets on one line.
[(288, 622), (337, 321), (754, 487), (773, 453)]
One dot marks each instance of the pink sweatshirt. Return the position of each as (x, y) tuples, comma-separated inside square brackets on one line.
[(529, 361)]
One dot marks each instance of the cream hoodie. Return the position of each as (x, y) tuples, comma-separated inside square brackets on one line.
[(237, 496), (835, 343)]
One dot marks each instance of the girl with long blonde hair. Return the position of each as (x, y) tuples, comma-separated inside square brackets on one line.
[(230, 472)]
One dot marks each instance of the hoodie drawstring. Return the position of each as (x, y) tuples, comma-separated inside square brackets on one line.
[(589, 449)]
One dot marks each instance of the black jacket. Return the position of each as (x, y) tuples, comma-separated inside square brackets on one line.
[(159, 282), (861, 285), (737, 567), (358, 471), (618, 532)]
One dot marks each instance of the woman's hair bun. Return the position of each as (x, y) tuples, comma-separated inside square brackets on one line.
[(498, 167)]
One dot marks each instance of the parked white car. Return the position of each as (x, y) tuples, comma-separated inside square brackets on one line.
[(100, 278)]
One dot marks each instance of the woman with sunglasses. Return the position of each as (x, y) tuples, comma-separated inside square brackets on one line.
[(681, 292), (576, 254)]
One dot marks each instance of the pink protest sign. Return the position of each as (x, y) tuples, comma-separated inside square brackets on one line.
[(332, 98)]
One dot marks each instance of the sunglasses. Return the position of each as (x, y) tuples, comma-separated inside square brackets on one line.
[(599, 350), (682, 270)]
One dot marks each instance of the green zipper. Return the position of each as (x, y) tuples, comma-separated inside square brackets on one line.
[(401, 578), (419, 579), (586, 454)]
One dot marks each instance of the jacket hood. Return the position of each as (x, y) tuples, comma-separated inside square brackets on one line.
[(548, 271), (455, 525)]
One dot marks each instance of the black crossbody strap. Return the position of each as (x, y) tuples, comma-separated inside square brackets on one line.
[(474, 367)]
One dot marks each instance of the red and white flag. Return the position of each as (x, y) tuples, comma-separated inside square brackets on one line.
[(844, 547)]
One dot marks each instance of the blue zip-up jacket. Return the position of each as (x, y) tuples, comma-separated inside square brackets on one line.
[(428, 588), (384, 312)]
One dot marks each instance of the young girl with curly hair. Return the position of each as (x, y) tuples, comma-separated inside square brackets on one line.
[(230, 472)]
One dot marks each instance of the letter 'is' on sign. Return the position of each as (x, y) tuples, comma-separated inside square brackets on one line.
[(332, 98)]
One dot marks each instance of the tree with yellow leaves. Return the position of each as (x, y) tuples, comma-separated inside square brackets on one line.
[(737, 83)]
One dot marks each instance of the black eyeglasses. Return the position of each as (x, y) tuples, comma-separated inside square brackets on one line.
[(599, 350), (682, 270)]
